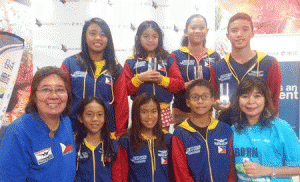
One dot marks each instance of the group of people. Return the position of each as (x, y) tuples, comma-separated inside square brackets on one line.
[(75, 125)]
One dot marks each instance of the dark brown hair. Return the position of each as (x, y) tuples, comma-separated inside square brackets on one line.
[(105, 134), (240, 16), (139, 51), (37, 78), (136, 139), (199, 83), (246, 86), (185, 39)]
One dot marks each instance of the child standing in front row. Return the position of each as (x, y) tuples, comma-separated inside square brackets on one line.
[(144, 150), (149, 70), (96, 151), (201, 145)]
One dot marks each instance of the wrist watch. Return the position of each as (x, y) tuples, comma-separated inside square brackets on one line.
[(273, 175)]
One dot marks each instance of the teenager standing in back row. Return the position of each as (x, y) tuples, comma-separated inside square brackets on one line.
[(149, 70), (94, 70), (194, 60)]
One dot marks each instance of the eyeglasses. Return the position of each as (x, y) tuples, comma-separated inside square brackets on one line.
[(197, 97), (47, 91)]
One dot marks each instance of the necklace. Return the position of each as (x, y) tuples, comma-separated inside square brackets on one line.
[(52, 132)]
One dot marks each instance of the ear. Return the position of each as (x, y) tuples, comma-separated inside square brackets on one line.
[(187, 101), (80, 119)]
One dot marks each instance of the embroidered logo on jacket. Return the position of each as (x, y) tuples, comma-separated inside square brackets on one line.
[(139, 64), (83, 155), (193, 150), (222, 149), (139, 159), (44, 155), (188, 62), (161, 68), (66, 149), (221, 141), (256, 73), (224, 77), (162, 153), (77, 74), (108, 81), (209, 61)]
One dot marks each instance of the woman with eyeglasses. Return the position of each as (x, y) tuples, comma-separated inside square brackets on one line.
[(39, 145), (93, 71), (201, 145), (266, 148)]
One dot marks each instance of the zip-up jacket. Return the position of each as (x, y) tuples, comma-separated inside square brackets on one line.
[(197, 159), (149, 164), (129, 84), (265, 66), (27, 153), (187, 65), (90, 165), (83, 84)]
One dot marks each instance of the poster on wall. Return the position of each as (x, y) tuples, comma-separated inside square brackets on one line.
[(16, 21), (11, 50)]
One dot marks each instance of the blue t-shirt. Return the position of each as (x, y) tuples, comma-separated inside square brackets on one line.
[(275, 145)]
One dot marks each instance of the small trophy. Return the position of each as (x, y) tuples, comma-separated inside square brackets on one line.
[(152, 64), (198, 73), (224, 94)]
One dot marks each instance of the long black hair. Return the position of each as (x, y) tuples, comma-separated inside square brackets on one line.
[(185, 39), (136, 139), (109, 153), (246, 86), (139, 51), (109, 51)]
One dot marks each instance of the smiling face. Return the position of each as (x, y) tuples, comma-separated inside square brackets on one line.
[(197, 31), (148, 115), (252, 104), (51, 97), (200, 101), (95, 39), (149, 40), (240, 33), (93, 117)]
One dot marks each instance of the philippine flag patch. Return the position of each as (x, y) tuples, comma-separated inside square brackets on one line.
[(108, 81), (66, 148), (164, 161), (222, 149), (160, 68)]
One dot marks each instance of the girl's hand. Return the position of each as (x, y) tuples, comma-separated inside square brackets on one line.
[(255, 170), (150, 76)]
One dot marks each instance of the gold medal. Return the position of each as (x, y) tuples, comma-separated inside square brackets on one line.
[(52, 132)]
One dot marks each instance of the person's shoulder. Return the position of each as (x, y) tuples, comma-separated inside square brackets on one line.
[(72, 59), (280, 123), (22, 123), (261, 56)]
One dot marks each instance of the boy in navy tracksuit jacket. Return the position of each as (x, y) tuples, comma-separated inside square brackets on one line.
[(201, 145)]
